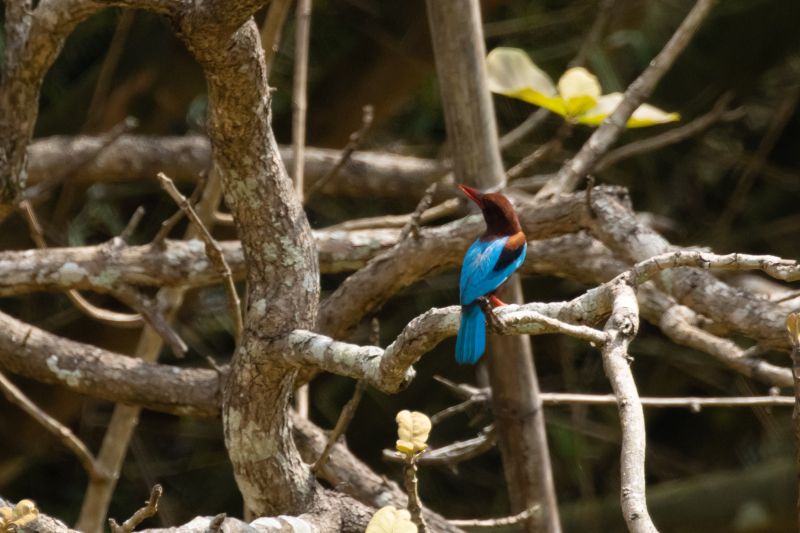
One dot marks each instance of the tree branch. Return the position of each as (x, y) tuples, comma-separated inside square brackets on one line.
[(176, 264), (609, 131), (139, 158), (85, 369), (213, 251), (390, 369), (62, 432), (621, 328)]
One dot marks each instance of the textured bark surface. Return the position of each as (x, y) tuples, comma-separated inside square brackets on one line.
[(178, 263), (283, 274), (137, 157), (34, 40)]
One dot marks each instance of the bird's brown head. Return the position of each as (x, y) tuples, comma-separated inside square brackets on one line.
[(501, 220)]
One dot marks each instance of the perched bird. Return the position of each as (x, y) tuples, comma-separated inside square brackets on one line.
[(489, 262)]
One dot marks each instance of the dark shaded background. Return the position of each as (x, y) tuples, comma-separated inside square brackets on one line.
[(718, 470)]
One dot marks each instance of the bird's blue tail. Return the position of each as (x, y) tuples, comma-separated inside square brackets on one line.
[(471, 341)]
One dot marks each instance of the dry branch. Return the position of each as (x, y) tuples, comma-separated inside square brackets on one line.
[(355, 140), (272, 29), (139, 158), (609, 131), (453, 453), (302, 34), (63, 433), (621, 328), (720, 113), (176, 264), (104, 316), (497, 522), (345, 417), (150, 509), (213, 251)]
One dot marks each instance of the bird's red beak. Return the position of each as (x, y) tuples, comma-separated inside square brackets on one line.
[(473, 194)]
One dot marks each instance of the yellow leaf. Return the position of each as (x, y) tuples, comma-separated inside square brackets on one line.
[(645, 114), (512, 73), (5, 517), (579, 89), (24, 512), (412, 431), (390, 520)]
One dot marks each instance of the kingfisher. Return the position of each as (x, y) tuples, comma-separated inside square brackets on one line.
[(489, 262)]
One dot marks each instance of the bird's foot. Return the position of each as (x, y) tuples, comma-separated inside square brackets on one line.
[(495, 301), (492, 320)]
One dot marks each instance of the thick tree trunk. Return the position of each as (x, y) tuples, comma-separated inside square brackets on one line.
[(283, 271)]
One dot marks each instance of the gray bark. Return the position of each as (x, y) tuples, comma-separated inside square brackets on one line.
[(460, 53)]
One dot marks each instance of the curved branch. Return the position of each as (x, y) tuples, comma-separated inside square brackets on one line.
[(615, 224), (390, 369), (436, 248), (613, 126), (621, 329)]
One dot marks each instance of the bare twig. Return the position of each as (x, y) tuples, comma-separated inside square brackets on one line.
[(63, 433), (497, 522), (272, 29), (213, 251), (299, 92), (776, 267), (548, 149), (348, 411), (109, 66), (480, 398), (679, 324), (592, 38), (411, 485), (693, 403), (442, 210), (538, 117), (133, 223), (168, 225), (452, 453), (412, 226), (784, 110), (476, 397), (353, 143), (345, 417), (154, 316), (367, 174), (150, 509), (528, 126), (609, 131), (104, 316), (125, 417), (719, 113)]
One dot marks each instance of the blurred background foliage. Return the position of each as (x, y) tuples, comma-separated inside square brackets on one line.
[(731, 188)]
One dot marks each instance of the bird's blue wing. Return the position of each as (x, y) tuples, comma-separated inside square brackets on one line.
[(483, 270)]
